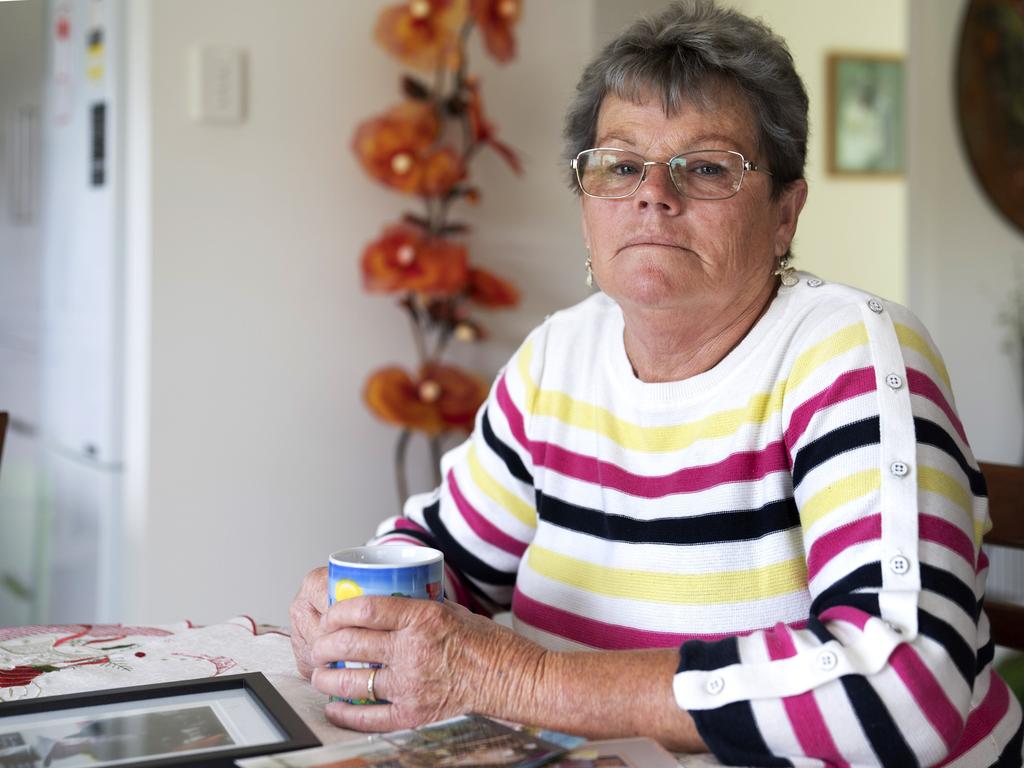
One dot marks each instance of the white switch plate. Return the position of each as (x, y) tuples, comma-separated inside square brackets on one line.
[(217, 84)]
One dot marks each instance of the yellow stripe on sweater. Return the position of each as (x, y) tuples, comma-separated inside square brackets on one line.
[(910, 338), (504, 498), (583, 415), (674, 588), (664, 439), (832, 346), (937, 481), (834, 495)]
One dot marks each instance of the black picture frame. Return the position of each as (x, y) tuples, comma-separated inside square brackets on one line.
[(104, 706)]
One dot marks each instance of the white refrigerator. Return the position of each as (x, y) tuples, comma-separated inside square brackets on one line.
[(81, 409)]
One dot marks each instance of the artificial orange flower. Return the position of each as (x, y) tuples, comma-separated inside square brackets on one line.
[(496, 19), (440, 398), (489, 290), (441, 170), (484, 130), (422, 34), (391, 146), (403, 258)]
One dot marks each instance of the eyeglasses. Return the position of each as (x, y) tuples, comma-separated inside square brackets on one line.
[(704, 174)]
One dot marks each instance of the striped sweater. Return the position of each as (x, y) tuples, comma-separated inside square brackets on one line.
[(803, 521)]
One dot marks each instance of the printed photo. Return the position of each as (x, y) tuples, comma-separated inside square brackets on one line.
[(113, 739), (865, 134)]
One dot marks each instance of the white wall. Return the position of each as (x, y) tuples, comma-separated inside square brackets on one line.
[(261, 458), (962, 252), (259, 449)]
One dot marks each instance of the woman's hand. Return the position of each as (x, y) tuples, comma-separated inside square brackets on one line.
[(306, 612), (440, 660)]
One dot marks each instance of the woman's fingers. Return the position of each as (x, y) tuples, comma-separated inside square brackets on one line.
[(394, 713), (368, 717), (352, 682), (305, 613), (377, 612), (352, 644)]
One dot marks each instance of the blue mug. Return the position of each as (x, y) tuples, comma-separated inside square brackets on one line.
[(389, 569)]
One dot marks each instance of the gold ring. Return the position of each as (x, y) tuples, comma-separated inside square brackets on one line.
[(370, 693)]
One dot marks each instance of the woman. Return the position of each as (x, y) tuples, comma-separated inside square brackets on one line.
[(743, 490)]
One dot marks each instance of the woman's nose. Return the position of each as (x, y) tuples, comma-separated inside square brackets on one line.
[(658, 191)]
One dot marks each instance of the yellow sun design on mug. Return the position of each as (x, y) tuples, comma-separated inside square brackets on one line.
[(345, 589)]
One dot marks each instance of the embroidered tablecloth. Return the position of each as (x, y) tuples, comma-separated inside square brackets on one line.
[(70, 658)]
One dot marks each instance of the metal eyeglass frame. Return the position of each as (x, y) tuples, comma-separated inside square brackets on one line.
[(747, 165)]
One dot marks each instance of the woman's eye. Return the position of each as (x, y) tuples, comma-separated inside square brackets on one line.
[(707, 169), (623, 169)]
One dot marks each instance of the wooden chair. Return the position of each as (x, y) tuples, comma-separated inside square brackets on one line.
[(1006, 508)]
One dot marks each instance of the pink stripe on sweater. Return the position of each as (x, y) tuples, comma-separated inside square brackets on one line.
[(802, 710), (850, 615), (739, 467), (869, 528), (835, 542), (397, 538), (512, 414), (921, 384), (405, 524), (847, 385), (481, 526), (943, 532), (928, 694), (982, 561), (600, 634), (983, 720)]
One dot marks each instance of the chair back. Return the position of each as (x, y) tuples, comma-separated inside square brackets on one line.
[(3, 431), (1006, 508)]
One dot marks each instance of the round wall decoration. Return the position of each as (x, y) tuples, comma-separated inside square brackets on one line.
[(990, 101)]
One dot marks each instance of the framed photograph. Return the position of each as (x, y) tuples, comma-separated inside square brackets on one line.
[(865, 114), (208, 722)]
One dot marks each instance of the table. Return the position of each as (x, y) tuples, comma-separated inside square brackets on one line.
[(47, 660), (69, 658)]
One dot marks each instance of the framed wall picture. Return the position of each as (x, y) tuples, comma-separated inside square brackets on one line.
[(865, 114), (208, 722)]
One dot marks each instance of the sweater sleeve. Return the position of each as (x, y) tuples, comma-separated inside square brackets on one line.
[(483, 515), (892, 509)]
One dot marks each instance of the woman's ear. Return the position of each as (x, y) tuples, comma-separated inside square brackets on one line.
[(789, 206), (583, 226)]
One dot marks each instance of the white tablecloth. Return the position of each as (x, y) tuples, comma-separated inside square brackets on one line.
[(69, 658)]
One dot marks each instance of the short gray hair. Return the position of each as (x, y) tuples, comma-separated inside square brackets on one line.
[(685, 53)]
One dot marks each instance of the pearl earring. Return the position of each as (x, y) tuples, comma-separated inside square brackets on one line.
[(590, 271)]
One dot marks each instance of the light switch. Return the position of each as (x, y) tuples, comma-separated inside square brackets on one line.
[(217, 84)]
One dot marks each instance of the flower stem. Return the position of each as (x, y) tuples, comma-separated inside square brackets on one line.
[(401, 481), (435, 458), (417, 328)]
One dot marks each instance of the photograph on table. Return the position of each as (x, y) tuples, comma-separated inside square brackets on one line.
[(469, 740), (213, 720), (865, 114)]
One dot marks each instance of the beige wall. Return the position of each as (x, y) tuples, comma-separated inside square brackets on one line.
[(963, 254), (852, 230), (259, 457)]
